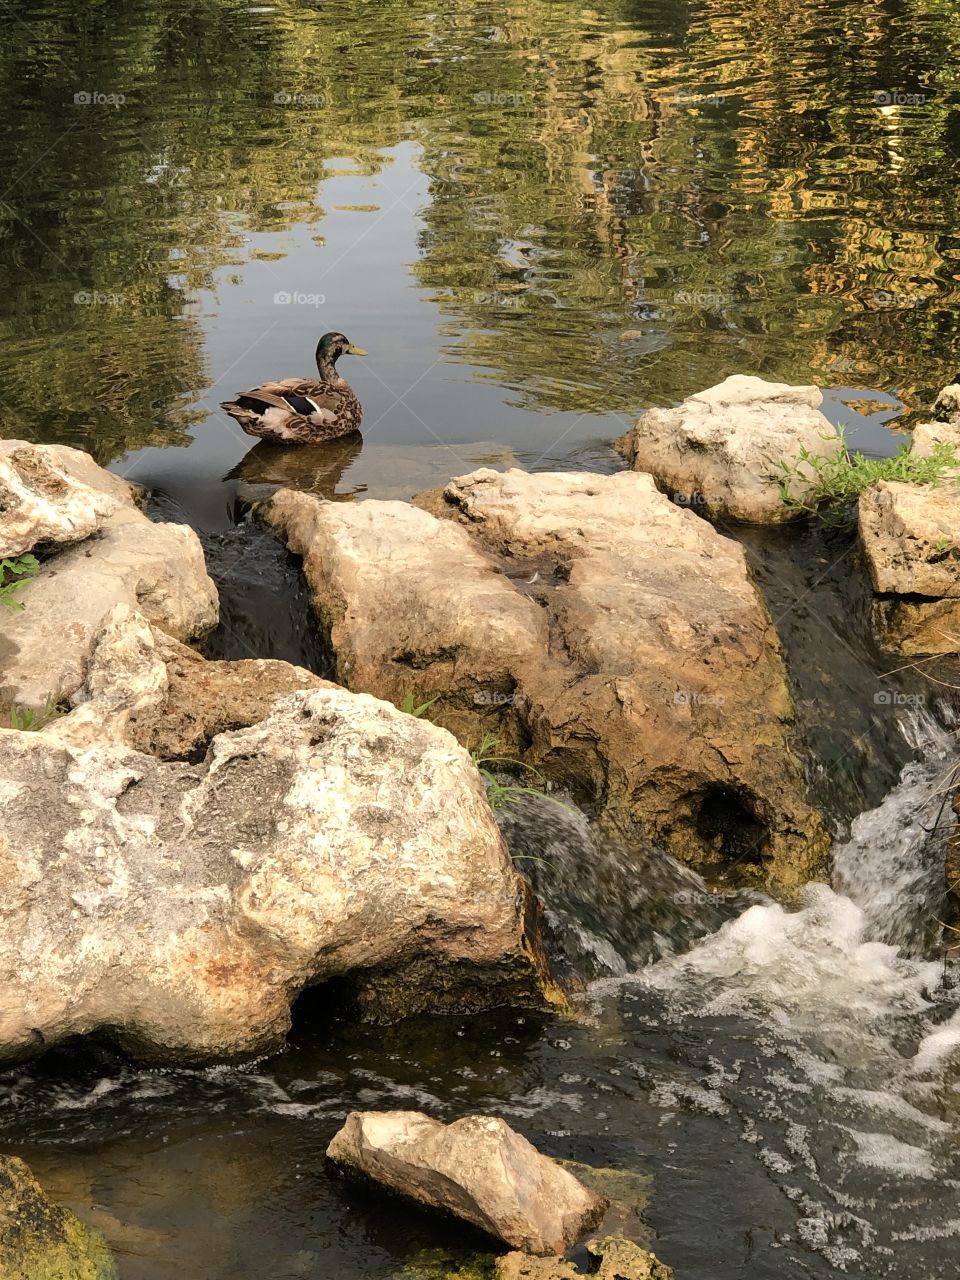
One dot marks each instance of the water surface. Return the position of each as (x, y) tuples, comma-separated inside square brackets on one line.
[(540, 218)]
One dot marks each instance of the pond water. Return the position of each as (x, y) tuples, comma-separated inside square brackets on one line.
[(539, 218)]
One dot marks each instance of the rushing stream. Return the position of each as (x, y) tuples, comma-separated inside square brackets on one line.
[(540, 218)]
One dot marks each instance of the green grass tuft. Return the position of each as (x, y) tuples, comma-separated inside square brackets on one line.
[(839, 479)]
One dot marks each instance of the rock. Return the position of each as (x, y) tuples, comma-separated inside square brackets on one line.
[(620, 1259), (720, 449), (53, 494), (521, 1266), (611, 639), (946, 407), (156, 568), (413, 607), (41, 1240), (909, 535), (202, 699), (926, 437), (623, 1260), (181, 907), (478, 1169)]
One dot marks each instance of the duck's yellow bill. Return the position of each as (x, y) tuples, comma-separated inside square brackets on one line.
[(357, 351)]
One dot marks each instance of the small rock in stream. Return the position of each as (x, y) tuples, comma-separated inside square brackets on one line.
[(478, 1169)]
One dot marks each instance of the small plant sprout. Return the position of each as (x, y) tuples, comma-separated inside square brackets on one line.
[(490, 764), (410, 706), (826, 485), (32, 719), (13, 573)]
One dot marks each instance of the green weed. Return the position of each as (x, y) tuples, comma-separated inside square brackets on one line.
[(839, 479), (13, 573), (31, 720), (412, 709)]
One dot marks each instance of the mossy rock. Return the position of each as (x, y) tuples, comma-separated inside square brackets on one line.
[(41, 1240), (447, 1264)]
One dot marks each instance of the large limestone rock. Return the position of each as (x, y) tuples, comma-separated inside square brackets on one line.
[(53, 494), (911, 542), (41, 1240), (156, 568), (613, 639), (720, 449), (478, 1169), (181, 907)]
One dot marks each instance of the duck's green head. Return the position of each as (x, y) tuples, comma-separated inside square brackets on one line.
[(332, 346)]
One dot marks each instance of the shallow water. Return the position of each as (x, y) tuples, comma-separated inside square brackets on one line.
[(539, 219)]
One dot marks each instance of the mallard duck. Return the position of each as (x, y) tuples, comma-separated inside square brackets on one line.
[(303, 410)]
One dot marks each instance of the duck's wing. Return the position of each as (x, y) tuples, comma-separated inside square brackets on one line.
[(305, 396)]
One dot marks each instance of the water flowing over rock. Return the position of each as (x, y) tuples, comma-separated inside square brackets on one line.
[(614, 640), (117, 556), (41, 1240), (181, 907), (720, 449), (478, 1169), (909, 538), (53, 494)]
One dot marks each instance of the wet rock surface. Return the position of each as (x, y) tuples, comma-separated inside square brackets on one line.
[(612, 639), (720, 449), (41, 1240), (181, 908), (476, 1168)]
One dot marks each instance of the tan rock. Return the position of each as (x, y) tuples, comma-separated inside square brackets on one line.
[(41, 1240), (156, 568), (613, 639), (927, 437), (910, 536), (720, 449), (413, 607), (53, 494), (478, 1169), (621, 1259), (182, 908), (522, 1266)]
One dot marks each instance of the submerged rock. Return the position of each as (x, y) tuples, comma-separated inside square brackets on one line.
[(41, 1240), (910, 536), (478, 1169), (51, 494), (720, 449), (116, 556), (181, 908), (612, 639)]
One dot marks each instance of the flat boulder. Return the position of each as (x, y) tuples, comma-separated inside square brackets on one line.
[(613, 641), (478, 1169), (720, 450), (180, 906), (910, 535), (40, 1239)]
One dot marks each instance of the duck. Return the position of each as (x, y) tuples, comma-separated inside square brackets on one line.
[(305, 411)]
